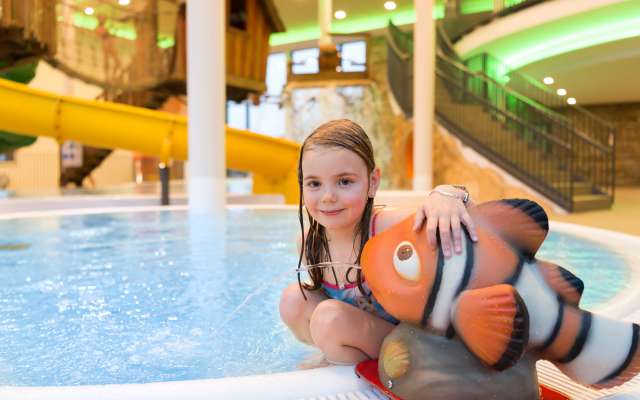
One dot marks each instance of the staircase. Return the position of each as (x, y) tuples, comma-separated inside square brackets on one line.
[(92, 157), (529, 140)]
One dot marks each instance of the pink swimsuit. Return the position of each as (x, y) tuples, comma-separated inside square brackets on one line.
[(350, 293)]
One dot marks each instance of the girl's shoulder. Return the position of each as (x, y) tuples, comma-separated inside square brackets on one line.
[(383, 217)]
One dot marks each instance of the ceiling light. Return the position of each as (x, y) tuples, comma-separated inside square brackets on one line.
[(548, 80), (571, 100), (89, 10), (390, 5), (340, 14), (124, 2), (561, 92)]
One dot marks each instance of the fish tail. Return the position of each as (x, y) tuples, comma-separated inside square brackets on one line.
[(594, 350)]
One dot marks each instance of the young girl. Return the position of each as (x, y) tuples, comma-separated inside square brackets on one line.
[(338, 181)]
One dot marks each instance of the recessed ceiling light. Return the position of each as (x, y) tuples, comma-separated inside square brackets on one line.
[(340, 14), (548, 80), (390, 5), (571, 100), (124, 2), (89, 10), (561, 92)]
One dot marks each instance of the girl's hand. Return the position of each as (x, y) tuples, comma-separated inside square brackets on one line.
[(445, 213)]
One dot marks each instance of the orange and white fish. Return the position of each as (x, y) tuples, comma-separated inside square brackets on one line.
[(498, 298)]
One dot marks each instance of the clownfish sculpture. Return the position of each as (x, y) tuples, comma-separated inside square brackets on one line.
[(498, 298)]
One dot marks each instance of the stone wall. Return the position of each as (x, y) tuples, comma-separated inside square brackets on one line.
[(457, 163), (366, 103), (626, 118)]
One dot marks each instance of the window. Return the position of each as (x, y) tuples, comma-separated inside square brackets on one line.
[(353, 56), (276, 73), (237, 115), (267, 118), (7, 156), (238, 14), (305, 61)]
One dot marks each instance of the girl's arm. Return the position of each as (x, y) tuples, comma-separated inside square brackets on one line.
[(444, 211)]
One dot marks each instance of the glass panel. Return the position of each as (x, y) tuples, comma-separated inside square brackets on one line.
[(354, 56), (8, 156), (305, 61), (237, 115), (276, 73), (268, 118)]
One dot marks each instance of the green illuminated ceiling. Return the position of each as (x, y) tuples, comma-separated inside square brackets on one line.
[(609, 23), (354, 24), (606, 24), (118, 29), (378, 19)]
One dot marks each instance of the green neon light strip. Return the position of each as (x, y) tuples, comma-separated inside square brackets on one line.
[(123, 31), (349, 25), (609, 23), (476, 6), (579, 40), (377, 21)]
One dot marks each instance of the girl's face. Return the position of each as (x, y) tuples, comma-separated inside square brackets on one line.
[(336, 186)]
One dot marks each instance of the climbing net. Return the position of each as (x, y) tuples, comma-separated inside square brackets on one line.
[(115, 44)]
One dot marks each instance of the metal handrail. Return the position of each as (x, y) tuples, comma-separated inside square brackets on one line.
[(506, 113), (555, 115), (546, 149), (568, 126), (519, 167), (534, 82)]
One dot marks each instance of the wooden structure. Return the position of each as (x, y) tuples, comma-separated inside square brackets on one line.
[(329, 67), (27, 31), (249, 24)]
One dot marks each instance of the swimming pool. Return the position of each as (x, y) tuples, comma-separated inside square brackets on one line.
[(138, 297)]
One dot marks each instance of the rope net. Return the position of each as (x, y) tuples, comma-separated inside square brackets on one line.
[(121, 48)]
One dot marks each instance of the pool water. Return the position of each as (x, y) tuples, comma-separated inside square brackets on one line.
[(157, 296)]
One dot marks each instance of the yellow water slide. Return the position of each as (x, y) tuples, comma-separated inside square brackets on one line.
[(32, 112)]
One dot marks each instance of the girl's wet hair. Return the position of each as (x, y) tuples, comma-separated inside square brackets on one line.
[(341, 134)]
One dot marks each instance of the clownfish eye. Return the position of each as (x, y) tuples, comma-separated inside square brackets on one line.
[(406, 261)]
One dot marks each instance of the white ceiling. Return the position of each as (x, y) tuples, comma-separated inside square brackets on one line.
[(607, 73)]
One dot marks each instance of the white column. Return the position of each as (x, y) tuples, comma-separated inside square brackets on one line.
[(423, 94), (206, 30), (324, 21)]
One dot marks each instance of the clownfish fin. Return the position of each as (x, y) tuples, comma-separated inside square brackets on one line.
[(522, 223), (568, 286), (493, 322)]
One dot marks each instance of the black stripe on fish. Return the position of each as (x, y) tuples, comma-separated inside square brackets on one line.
[(535, 212), (519, 337), (556, 328), (451, 332), (630, 355), (513, 279), (468, 266), (532, 209), (573, 280), (585, 327), (468, 269), (431, 302)]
